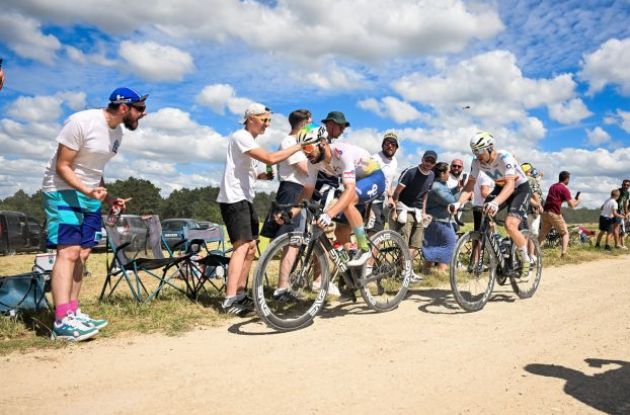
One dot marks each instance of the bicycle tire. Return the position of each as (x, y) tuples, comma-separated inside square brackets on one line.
[(300, 308), (471, 282), (526, 287), (388, 283)]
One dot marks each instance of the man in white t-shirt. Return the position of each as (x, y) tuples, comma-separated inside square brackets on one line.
[(607, 219), (456, 180), (73, 189), (483, 187), (293, 175), (389, 166), (236, 196)]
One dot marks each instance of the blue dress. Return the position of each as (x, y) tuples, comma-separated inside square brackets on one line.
[(439, 236)]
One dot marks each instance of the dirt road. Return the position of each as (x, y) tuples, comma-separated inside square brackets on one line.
[(567, 350)]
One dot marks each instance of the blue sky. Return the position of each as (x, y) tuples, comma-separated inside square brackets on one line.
[(549, 79)]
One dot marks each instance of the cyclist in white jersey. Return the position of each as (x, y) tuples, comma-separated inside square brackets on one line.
[(512, 189), (362, 179)]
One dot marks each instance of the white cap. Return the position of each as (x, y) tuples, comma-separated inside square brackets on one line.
[(254, 109)]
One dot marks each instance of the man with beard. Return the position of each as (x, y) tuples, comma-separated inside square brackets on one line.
[(389, 165), (73, 189), (456, 180)]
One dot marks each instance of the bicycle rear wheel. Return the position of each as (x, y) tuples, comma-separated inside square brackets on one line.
[(525, 287), (388, 282), (472, 272), (300, 303)]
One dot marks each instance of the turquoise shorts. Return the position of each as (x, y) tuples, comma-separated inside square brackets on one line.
[(72, 218)]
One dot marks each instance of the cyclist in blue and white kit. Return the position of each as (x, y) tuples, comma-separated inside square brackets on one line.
[(360, 174), (512, 189)]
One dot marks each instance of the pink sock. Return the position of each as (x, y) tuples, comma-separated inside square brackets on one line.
[(61, 311), (74, 305)]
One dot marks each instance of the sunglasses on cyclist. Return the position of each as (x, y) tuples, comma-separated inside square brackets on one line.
[(309, 148)]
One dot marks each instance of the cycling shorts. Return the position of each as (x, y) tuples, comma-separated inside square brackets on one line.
[(518, 202)]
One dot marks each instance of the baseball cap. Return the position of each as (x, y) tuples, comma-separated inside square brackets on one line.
[(337, 117), (126, 96), (430, 153), (254, 109)]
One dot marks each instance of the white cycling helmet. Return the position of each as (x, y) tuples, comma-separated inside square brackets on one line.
[(480, 141), (311, 134)]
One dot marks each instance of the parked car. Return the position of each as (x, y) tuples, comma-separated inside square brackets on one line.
[(20, 233), (132, 229), (173, 229)]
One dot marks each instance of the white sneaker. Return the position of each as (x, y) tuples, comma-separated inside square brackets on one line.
[(360, 259), (415, 277), (332, 288)]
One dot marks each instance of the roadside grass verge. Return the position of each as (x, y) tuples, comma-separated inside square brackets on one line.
[(172, 313)]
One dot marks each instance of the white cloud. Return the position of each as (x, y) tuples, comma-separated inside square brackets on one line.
[(45, 108), (24, 36), (569, 112), (625, 119), (490, 86), (390, 107), (608, 65), (334, 78), (597, 136), (155, 62), (386, 28), (221, 96)]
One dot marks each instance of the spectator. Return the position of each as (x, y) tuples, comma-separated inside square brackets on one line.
[(483, 187), (389, 164), (456, 180), (552, 215), (440, 238), (236, 196), (535, 202), (622, 208), (410, 198), (607, 218), (73, 189), (1, 76)]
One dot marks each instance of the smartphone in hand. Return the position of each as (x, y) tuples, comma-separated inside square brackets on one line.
[(577, 195)]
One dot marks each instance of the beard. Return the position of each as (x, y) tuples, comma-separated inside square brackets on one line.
[(129, 122)]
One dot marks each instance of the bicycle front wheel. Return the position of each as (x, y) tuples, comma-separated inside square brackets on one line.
[(303, 282), (527, 285), (473, 272), (386, 286)]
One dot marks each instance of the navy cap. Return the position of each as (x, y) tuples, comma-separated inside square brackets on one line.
[(126, 96), (430, 153)]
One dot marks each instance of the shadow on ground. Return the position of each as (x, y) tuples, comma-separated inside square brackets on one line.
[(608, 391)]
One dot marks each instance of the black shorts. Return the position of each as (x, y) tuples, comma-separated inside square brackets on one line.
[(477, 213), (606, 224), (379, 216), (517, 203), (288, 193), (240, 220)]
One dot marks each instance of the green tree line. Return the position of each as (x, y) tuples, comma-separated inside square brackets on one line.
[(199, 203)]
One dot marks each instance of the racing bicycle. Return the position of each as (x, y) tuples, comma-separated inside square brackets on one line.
[(307, 259), (483, 257)]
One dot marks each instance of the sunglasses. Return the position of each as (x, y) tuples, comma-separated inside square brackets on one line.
[(477, 152), (140, 108), (265, 120), (309, 148)]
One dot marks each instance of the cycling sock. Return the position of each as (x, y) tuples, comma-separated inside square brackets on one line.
[(524, 253), (362, 242)]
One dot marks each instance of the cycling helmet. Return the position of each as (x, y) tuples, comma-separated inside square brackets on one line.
[(480, 141), (311, 134), (526, 167)]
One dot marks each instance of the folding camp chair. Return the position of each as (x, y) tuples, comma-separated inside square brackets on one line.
[(208, 264), (131, 261)]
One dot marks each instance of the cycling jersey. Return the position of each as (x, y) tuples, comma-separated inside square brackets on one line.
[(348, 162), (503, 166)]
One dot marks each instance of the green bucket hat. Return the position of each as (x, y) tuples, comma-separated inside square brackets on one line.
[(337, 117)]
